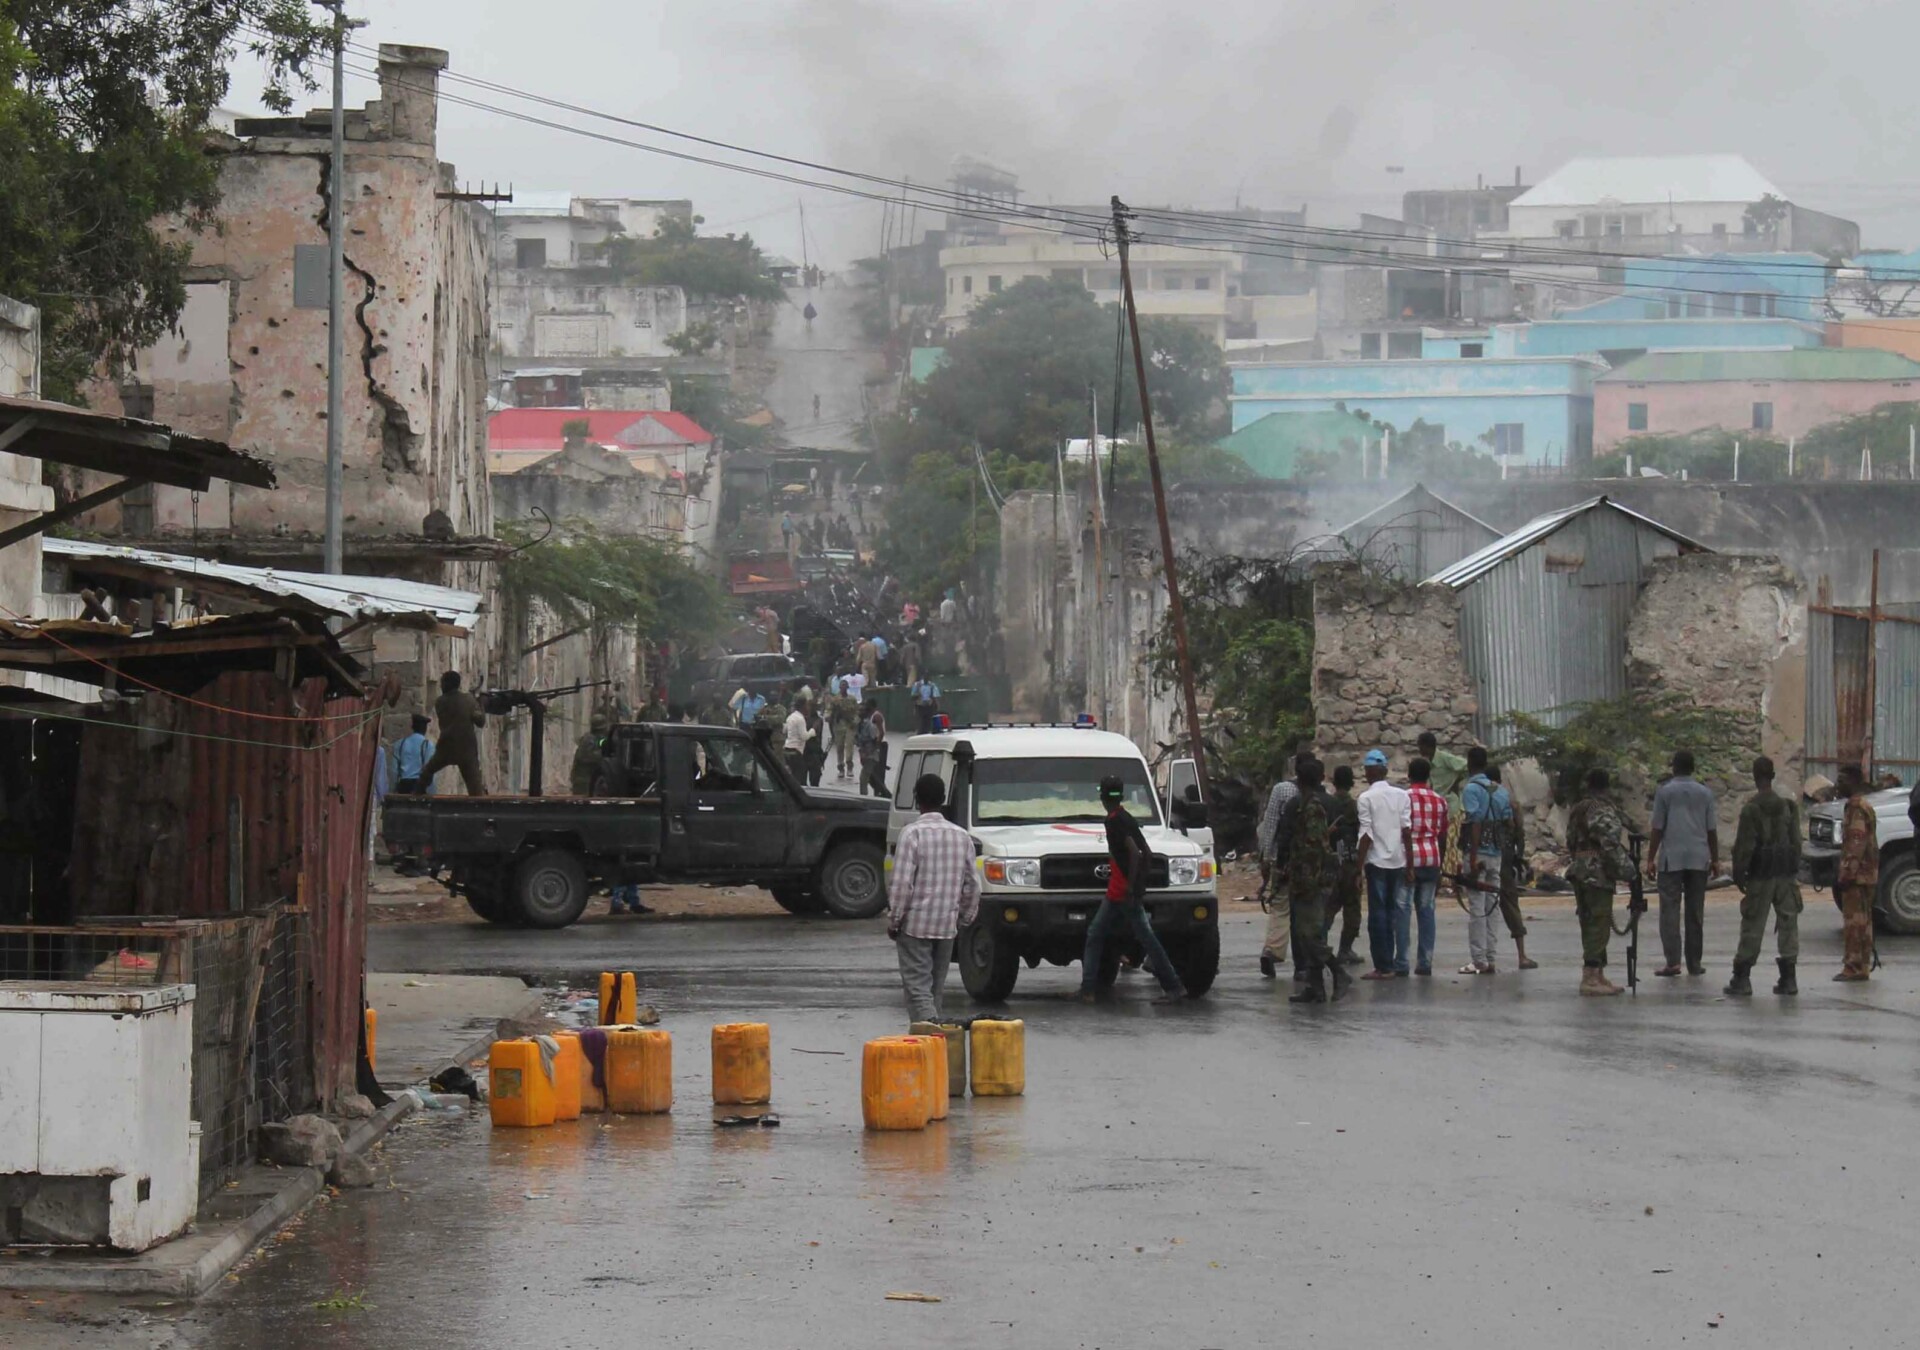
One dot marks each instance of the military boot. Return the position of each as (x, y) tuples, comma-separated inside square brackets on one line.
[(1341, 983), (1739, 986), (1786, 985), (1311, 990)]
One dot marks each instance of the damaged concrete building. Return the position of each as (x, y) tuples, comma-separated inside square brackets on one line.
[(247, 363)]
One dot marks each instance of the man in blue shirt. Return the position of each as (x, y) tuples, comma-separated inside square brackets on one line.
[(750, 706), (1682, 854), (1488, 810), (926, 702), (410, 756)]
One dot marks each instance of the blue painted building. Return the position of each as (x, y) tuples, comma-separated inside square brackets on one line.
[(1720, 286), (1626, 336), (1522, 410)]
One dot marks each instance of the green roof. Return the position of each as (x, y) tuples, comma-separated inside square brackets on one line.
[(1271, 445), (923, 361), (1803, 363)]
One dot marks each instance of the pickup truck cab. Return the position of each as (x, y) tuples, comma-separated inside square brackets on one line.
[(674, 802), (1030, 798), (1897, 907)]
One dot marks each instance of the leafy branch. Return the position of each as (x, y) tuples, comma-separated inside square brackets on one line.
[(1633, 736)]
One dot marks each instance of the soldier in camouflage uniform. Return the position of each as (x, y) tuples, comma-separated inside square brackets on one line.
[(1594, 828), (1343, 821), (1766, 859), (1311, 869), (1859, 876)]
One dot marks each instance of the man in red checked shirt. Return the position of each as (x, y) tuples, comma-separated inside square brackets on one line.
[(1426, 833), (933, 891)]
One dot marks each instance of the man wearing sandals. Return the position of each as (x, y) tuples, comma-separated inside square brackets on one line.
[(1488, 810)]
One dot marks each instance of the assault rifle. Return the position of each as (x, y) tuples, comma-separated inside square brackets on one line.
[(1636, 906), (500, 702)]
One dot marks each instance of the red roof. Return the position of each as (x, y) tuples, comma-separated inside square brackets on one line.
[(540, 428)]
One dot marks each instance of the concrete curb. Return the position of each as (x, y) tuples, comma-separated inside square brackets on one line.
[(189, 1266)]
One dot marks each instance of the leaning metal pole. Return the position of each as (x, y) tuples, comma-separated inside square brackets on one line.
[(1176, 609), (335, 560)]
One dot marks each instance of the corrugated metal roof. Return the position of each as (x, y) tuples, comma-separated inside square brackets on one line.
[(128, 446), (1707, 365), (1415, 534), (544, 428), (389, 600), (1476, 565), (1639, 179)]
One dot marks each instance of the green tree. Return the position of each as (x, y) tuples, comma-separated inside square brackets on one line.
[(1018, 378), (104, 107), (1250, 634), (1634, 735), (715, 267), (941, 524), (598, 581)]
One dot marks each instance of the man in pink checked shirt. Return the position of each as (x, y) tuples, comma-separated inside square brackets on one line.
[(1427, 845), (934, 889)]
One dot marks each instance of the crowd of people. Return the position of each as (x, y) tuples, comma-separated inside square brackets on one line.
[(1454, 825)]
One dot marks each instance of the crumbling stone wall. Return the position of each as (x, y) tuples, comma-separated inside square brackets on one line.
[(1728, 632), (1387, 665)]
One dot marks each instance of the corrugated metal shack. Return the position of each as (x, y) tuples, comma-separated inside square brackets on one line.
[(1544, 610), (1856, 657), (1415, 535), (206, 819)]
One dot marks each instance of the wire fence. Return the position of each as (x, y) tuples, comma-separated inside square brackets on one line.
[(251, 973)]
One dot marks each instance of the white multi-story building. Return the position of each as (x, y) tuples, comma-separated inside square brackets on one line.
[(1189, 284)]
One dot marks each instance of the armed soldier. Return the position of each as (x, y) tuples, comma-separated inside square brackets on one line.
[(586, 756), (1311, 866), (460, 719), (1594, 831), (1859, 875), (1766, 859)]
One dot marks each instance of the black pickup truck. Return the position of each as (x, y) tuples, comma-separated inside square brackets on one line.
[(671, 802)]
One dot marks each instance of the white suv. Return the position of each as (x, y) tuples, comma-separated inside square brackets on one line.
[(1030, 796)]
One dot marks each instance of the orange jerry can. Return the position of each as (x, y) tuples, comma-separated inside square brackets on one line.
[(742, 1063), (372, 1019), (893, 1086), (639, 1070), (518, 1089), (618, 998), (567, 1066)]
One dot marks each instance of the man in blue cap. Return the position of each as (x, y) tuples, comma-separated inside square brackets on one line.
[(1384, 827)]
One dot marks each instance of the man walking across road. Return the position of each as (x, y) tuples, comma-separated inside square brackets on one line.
[(1683, 851), (1766, 864), (1129, 862), (1859, 875), (871, 741), (460, 719), (1383, 861), (844, 708), (794, 737), (1311, 867), (1599, 861), (1274, 833), (933, 892)]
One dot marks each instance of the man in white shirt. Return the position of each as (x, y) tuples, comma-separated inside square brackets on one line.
[(1385, 844), (794, 742)]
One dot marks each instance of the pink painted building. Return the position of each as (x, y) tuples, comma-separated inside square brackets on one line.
[(1770, 392)]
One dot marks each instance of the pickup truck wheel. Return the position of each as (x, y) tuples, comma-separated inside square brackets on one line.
[(486, 906), (796, 900), (1899, 898), (550, 889), (1199, 961), (853, 882), (988, 963)]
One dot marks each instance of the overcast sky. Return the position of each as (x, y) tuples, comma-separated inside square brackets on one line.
[(1273, 103)]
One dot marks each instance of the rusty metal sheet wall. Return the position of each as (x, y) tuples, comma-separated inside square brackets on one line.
[(1896, 714), (1823, 732), (251, 793), (1548, 627)]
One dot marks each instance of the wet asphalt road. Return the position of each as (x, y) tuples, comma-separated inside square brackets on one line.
[(1454, 1162)]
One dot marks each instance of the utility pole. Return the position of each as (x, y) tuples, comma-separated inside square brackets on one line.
[(1099, 554), (335, 552), (1176, 608)]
